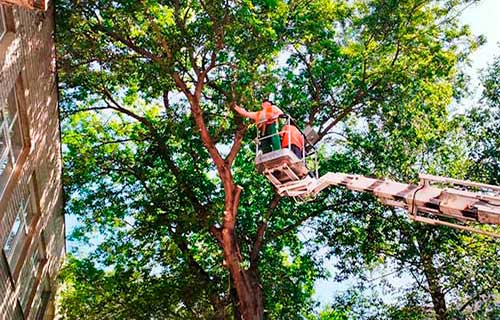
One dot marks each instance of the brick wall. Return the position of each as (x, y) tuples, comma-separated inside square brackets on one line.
[(31, 4), (27, 65)]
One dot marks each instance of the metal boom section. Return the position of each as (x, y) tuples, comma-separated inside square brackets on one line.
[(429, 201), (482, 206)]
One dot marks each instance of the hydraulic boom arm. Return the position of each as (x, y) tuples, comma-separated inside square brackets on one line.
[(450, 202), (481, 206)]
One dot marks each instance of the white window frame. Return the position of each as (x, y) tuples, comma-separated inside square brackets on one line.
[(4, 156), (7, 128), (22, 231), (2, 23), (27, 198)]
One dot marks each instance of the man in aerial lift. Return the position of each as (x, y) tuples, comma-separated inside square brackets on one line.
[(292, 138), (267, 123)]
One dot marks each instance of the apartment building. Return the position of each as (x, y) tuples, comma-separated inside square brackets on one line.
[(31, 218)]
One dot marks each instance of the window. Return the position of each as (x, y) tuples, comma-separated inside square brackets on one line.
[(12, 249), (26, 210), (11, 139), (41, 300), (30, 272), (3, 27)]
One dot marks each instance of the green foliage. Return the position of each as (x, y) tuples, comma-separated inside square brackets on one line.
[(441, 262), (91, 293)]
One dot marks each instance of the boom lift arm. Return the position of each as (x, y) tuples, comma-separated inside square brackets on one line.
[(433, 199), (464, 205)]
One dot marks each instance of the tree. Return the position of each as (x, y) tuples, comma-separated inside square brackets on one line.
[(155, 156)]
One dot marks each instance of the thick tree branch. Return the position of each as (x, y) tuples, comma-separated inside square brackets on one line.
[(194, 100), (238, 138), (259, 237), (164, 153), (206, 138)]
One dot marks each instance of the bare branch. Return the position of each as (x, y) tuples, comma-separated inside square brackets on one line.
[(113, 104)]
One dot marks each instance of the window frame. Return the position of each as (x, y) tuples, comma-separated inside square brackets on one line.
[(35, 262), (14, 253), (43, 296), (3, 23), (17, 127), (27, 197), (8, 127)]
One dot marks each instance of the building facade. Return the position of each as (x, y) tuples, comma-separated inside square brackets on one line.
[(32, 235)]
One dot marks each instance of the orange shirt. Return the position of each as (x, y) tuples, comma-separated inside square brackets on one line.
[(269, 114), (296, 137)]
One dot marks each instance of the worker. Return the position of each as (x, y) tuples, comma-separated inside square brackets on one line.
[(267, 124), (292, 138)]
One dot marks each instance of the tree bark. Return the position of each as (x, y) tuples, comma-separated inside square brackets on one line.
[(246, 281), (435, 289)]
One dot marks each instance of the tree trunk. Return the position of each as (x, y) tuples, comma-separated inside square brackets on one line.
[(246, 281), (435, 290)]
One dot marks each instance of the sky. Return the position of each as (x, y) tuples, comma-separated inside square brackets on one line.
[(483, 19)]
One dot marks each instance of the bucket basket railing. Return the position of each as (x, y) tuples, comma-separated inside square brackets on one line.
[(309, 152)]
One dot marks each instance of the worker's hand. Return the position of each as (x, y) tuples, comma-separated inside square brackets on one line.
[(238, 109)]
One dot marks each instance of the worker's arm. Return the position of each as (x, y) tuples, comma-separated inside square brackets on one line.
[(246, 114)]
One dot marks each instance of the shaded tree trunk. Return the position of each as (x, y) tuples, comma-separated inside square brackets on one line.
[(435, 289), (246, 282)]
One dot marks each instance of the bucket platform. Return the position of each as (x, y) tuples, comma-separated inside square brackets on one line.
[(286, 172)]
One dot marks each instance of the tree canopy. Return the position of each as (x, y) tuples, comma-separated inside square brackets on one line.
[(159, 168)]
